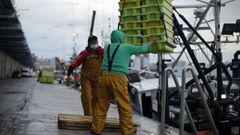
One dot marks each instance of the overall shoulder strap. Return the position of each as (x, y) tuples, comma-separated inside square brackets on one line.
[(110, 60)]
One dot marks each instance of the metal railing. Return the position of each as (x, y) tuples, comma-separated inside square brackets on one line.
[(163, 102), (184, 106)]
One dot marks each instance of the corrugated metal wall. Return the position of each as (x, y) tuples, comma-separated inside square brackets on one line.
[(8, 65)]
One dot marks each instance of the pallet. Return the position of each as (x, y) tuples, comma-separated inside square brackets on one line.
[(80, 122)]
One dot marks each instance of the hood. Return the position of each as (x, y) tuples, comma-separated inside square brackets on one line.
[(117, 36)]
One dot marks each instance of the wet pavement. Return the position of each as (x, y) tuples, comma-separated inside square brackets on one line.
[(31, 108)]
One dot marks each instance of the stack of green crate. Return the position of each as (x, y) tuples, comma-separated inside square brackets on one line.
[(152, 18), (131, 23), (157, 21), (47, 75)]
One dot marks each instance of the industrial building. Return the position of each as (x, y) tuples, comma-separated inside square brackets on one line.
[(14, 51)]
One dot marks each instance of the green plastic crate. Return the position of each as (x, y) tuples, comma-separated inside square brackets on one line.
[(43, 79), (164, 8), (157, 23), (129, 3), (47, 75), (171, 43), (161, 37), (131, 11), (161, 47), (157, 30), (131, 25), (132, 31), (158, 16), (133, 39), (130, 18), (150, 2), (46, 79)]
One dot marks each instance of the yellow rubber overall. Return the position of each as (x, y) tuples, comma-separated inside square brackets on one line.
[(90, 76), (113, 86)]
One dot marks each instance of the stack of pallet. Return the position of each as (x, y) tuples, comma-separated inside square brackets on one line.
[(141, 19)]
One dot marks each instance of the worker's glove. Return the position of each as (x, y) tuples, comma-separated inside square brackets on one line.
[(70, 71), (68, 81)]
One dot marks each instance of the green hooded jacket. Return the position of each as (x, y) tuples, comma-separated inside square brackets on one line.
[(123, 55)]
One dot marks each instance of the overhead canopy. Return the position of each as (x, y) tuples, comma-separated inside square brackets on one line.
[(12, 40)]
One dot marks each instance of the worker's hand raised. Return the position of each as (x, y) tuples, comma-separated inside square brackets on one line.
[(152, 40)]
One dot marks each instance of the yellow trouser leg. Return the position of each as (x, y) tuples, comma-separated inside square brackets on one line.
[(95, 88), (101, 108), (113, 85), (120, 90), (86, 96)]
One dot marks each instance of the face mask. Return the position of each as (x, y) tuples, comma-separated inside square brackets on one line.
[(94, 46)]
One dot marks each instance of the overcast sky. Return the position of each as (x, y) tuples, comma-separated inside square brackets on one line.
[(51, 25)]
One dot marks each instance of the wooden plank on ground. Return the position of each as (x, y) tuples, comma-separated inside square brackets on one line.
[(80, 122)]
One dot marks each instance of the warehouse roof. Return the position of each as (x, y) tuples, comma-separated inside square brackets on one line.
[(12, 39)]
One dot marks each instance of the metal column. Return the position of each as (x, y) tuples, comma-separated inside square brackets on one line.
[(217, 39)]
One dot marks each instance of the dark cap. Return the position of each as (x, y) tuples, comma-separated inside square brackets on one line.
[(91, 38)]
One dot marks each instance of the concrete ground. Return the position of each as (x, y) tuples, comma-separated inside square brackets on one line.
[(31, 108)]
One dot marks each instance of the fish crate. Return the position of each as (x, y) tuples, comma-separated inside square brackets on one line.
[(161, 37), (133, 39), (131, 11), (158, 16), (154, 8), (132, 31), (130, 18), (157, 23), (157, 30), (150, 2), (129, 3), (161, 46), (131, 25)]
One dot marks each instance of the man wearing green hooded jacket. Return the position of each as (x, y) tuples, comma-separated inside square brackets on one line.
[(113, 83)]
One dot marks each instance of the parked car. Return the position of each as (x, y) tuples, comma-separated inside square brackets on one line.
[(26, 72)]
